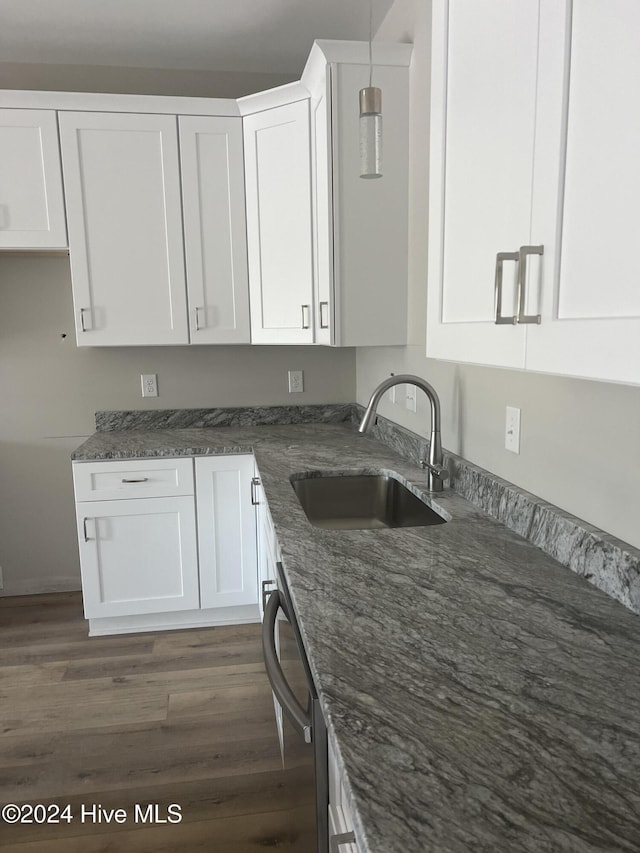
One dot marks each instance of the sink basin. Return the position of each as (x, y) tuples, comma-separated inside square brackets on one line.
[(361, 502)]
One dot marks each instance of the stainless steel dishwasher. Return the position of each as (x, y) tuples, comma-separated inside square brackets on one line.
[(304, 735)]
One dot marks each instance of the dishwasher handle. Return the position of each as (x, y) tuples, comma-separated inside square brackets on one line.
[(300, 718)]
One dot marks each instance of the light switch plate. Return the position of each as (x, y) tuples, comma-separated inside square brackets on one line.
[(296, 381), (512, 430)]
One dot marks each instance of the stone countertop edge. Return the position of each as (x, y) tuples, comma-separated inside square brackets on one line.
[(604, 560), (480, 699)]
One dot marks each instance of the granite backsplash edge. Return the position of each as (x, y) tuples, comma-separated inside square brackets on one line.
[(240, 416), (607, 562)]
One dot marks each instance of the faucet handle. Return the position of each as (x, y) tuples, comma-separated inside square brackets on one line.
[(438, 470)]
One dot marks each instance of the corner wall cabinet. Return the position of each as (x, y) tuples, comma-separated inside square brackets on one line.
[(278, 187), (125, 191), (160, 548), (533, 180), (360, 227), (31, 200)]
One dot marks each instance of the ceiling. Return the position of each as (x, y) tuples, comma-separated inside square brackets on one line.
[(262, 36)]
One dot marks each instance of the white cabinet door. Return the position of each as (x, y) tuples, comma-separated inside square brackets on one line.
[(138, 556), (212, 172), (590, 307), (278, 188), (226, 531), (483, 121), (31, 200), (321, 159), (122, 187)]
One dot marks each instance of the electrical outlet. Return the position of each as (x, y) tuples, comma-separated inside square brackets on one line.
[(149, 382), (411, 399), (512, 430), (296, 381)]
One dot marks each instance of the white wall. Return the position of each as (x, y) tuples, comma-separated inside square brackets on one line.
[(580, 446), (50, 389), (135, 81)]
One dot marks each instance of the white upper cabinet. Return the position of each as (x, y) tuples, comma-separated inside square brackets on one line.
[(360, 227), (278, 200), (533, 181), (31, 200), (122, 188), (483, 111), (591, 309), (215, 238)]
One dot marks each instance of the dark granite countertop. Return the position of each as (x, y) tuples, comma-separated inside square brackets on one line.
[(481, 696)]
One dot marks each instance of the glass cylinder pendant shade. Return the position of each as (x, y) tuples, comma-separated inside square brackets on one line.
[(370, 132)]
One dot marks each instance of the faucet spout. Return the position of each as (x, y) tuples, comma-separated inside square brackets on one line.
[(436, 472)]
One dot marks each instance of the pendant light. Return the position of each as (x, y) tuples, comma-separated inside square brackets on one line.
[(370, 120)]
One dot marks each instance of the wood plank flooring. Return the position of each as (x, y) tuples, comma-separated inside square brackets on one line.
[(181, 717)]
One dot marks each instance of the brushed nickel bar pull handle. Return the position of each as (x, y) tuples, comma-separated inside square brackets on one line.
[(255, 481), (139, 480), (196, 324), (337, 841), (501, 257), (82, 325), (522, 283), (306, 324), (87, 538), (324, 325), (266, 592), (298, 716)]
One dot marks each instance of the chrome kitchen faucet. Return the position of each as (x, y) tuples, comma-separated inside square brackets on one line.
[(436, 472)]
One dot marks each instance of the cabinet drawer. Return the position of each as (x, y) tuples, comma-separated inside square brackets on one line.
[(132, 478)]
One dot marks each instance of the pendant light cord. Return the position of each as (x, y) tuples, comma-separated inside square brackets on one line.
[(370, 40)]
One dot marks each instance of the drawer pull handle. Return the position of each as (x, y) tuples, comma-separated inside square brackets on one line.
[(139, 480), (255, 481), (501, 257), (306, 321), (84, 529), (523, 317), (338, 840), (196, 320)]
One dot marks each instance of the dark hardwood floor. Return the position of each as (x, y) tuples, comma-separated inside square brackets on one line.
[(182, 717)]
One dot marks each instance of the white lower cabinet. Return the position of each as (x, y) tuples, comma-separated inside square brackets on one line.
[(138, 556), (341, 838), (226, 531), (161, 549)]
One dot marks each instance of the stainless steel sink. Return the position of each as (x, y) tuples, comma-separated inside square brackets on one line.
[(361, 502)]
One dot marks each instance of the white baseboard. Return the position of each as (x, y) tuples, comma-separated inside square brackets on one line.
[(38, 586), (173, 621)]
